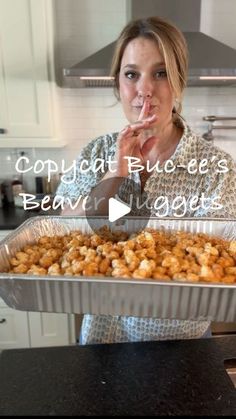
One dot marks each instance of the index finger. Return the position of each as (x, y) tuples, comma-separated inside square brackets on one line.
[(144, 111)]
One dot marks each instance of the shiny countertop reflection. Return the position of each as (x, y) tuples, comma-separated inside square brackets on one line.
[(12, 217)]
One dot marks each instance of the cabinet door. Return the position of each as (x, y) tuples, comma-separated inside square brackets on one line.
[(14, 331), (51, 329), (26, 87), (19, 329)]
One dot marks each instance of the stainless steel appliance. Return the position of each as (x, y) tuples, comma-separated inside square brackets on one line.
[(210, 62)]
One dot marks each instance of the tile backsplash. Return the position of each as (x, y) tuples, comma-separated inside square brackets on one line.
[(88, 113)]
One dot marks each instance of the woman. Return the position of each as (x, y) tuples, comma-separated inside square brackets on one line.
[(150, 71)]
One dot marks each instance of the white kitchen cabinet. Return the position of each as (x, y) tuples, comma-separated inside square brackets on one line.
[(14, 330), (51, 329), (28, 94), (19, 329)]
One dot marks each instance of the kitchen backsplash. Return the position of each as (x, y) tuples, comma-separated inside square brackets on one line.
[(88, 113)]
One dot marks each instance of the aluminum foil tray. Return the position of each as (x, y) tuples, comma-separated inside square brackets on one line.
[(114, 296)]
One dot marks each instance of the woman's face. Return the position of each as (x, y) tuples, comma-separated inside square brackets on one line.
[(143, 77)]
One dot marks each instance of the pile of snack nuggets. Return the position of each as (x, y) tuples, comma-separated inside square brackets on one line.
[(157, 254)]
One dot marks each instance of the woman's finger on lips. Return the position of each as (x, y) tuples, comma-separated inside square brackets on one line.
[(144, 111)]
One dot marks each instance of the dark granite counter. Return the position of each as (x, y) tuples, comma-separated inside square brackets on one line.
[(154, 378), (11, 217)]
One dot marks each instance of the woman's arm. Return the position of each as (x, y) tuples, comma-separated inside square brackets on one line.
[(128, 144)]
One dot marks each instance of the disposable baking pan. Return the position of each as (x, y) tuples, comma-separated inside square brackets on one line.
[(114, 296)]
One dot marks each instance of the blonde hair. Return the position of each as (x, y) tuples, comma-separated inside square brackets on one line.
[(171, 43)]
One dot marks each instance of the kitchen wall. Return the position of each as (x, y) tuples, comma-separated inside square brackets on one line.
[(218, 20), (86, 113)]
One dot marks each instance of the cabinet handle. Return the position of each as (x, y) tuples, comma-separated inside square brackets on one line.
[(2, 321), (3, 131)]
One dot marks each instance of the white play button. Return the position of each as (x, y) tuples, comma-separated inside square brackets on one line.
[(118, 206), (117, 209)]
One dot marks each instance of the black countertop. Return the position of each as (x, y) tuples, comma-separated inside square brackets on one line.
[(154, 378), (12, 217)]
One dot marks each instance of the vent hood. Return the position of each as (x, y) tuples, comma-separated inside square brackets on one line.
[(210, 61)]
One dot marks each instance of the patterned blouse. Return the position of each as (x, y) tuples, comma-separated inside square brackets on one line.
[(218, 184)]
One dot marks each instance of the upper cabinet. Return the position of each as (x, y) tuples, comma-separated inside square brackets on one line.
[(28, 92)]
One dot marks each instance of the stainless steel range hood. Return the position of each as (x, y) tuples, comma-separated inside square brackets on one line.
[(210, 61)]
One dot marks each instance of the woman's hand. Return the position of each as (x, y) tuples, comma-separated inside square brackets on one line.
[(129, 142)]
